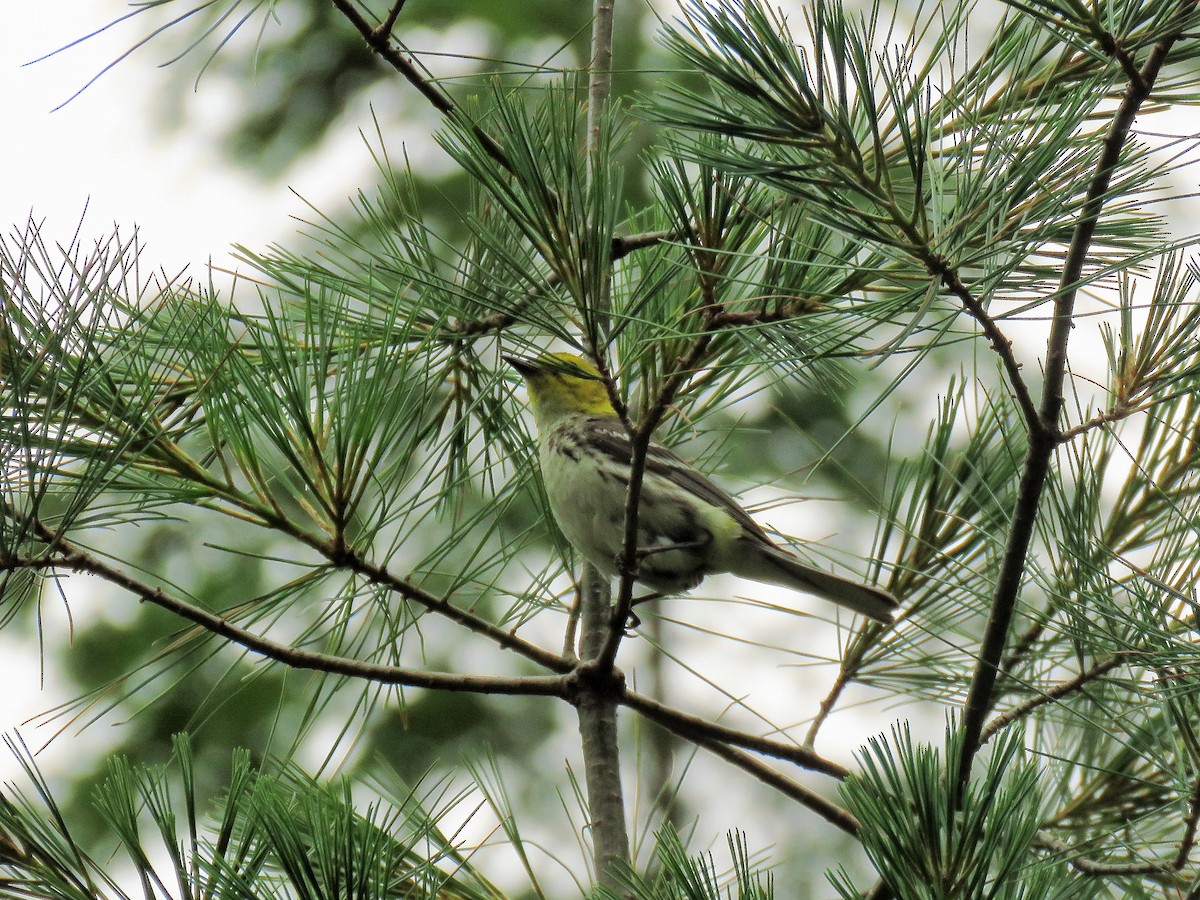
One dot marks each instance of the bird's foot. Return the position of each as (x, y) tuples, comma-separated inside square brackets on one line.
[(633, 620)]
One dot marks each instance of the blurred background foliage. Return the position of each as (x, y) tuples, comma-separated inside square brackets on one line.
[(294, 68)]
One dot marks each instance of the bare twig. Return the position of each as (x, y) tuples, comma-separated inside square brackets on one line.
[(845, 675), (999, 342), (1114, 413), (1092, 867), (385, 27), (380, 41), (700, 730), (443, 607), (1110, 45), (828, 811), (1055, 693)]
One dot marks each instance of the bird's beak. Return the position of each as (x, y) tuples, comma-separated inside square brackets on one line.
[(524, 366)]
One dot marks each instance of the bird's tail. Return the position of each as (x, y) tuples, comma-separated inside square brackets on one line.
[(763, 562)]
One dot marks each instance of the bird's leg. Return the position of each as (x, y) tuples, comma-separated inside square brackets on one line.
[(640, 554), (648, 597), (634, 619)]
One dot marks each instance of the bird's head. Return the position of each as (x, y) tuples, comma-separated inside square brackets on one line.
[(562, 385)]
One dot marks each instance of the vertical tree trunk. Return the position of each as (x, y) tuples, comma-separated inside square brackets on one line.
[(596, 705)]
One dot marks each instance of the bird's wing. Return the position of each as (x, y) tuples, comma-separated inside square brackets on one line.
[(609, 436)]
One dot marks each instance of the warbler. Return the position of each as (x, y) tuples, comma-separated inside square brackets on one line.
[(687, 527)]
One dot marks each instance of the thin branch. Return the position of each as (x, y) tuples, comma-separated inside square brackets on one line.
[(596, 704), (1114, 413), (1188, 841), (624, 246), (343, 556), (699, 731), (384, 30), (828, 811), (70, 557), (347, 558), (443, 607), (1044, 438), (599, 70), (1110, 45), (571, 631), (1092, 867), (381, 42), (1055, 693), (998, 340), (845, 675)]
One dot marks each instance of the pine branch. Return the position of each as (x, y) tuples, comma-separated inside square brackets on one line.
[(639, 446), (1045, 437), (1058, 692), (67, 556), (698, 730)]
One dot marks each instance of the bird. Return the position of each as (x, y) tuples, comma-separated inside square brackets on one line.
[(687, 526)]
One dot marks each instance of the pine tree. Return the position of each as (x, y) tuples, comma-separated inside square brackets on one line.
[(845, 205)]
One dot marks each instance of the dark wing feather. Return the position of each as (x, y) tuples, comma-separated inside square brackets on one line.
[(610, 437)]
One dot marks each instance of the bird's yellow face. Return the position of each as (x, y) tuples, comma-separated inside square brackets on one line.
[(562, 385)]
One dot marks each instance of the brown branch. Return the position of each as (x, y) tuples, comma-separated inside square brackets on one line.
[(380, 41), (1188, 841), (564, 685), (639, 446), (846, 674), (67, 556), (1092, 867), (345, 557), (828, 811), (1113, 414), (999, 341), (443, 607), (384, 30), (1122, 409), (623, 246), (699, 731), (1055, 693), (725, 318), (1110, 45), (348, 558), (582, 684)]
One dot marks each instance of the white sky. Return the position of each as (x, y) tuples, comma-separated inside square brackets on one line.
[(102, 150)]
